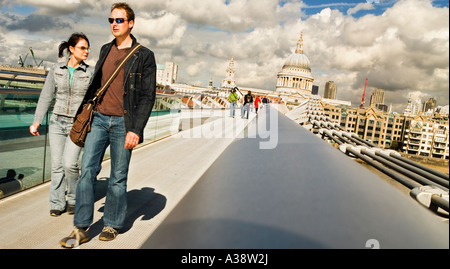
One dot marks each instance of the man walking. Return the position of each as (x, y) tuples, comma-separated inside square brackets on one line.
[(248, 99), (118, 122), (233, 97)]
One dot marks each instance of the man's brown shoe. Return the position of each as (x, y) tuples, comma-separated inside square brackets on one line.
[(108, 234), (77, 237)]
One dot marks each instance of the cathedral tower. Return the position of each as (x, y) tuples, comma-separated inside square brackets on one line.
[(229, 82)]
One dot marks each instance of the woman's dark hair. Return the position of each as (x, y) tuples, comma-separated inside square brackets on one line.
[(73, 40)]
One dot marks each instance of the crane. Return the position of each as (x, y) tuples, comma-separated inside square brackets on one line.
[(32, 54), (364, 93), (22, 61)]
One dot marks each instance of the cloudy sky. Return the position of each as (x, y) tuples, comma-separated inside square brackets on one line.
[(401, 46)]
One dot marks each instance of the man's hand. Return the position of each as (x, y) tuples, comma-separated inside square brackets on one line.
[(131, 140)]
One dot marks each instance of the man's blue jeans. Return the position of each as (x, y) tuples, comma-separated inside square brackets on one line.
[(245, 107), (105, 130)]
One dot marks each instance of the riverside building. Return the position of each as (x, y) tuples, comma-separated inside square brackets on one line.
[(413, 134)]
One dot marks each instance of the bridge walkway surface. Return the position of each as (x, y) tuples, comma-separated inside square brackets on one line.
[(288, 189), (265, 183), (160, 175)]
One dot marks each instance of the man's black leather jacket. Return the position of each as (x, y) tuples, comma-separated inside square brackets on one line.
[(139, 89)]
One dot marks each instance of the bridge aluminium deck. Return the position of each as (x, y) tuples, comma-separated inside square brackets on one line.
[(160, 175), (238, 184)]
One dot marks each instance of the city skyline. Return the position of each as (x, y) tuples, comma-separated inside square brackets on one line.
[(400, 46)]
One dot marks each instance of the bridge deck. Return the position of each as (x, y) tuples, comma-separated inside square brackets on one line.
[(160, 175), (300, 193), (215, 186)]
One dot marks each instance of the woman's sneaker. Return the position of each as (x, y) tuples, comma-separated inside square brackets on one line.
[(55, 213), (77, 237), (108, 234)]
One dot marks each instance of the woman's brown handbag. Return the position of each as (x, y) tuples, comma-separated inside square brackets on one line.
[(83, 121)]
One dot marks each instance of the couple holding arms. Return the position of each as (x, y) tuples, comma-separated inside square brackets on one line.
[(119, 120)]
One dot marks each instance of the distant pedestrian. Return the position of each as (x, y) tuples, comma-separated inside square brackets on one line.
[(248, 99), (66, 82), (233, 98), (257, 102)]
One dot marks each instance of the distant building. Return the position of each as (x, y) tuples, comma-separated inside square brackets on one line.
[(210, 85), (294, 81), (368, 123), (429, 106), (377, 96), (315, 90), (442, 110), (228, 82), (166, 74), (382, 107), (330, 90), (336, 102), (413, 108), (407, 110), (419, 135), (209, 97), (377, 99), (428, 137), (416, 107)]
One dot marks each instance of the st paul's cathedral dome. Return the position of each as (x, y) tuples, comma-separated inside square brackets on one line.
[(294, 81)]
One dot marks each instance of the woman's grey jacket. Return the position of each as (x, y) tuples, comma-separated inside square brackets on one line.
[(68, 98)]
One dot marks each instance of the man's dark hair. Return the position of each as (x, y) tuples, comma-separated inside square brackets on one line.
[(126, 7)]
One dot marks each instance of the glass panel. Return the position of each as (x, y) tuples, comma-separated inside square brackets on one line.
[(19, 150), (165, 118), (29, 156)]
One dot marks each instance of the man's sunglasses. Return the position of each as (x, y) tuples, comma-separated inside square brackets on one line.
[(118, 20)]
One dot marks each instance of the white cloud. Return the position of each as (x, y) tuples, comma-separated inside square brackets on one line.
[(404, 49), (358, 7), (398, 51), (163, 31), (196, 68)]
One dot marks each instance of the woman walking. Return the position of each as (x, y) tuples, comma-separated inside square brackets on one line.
[(257, 102), (68, 82)]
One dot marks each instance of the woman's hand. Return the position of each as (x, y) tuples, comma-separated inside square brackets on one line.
[(34, 127)]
